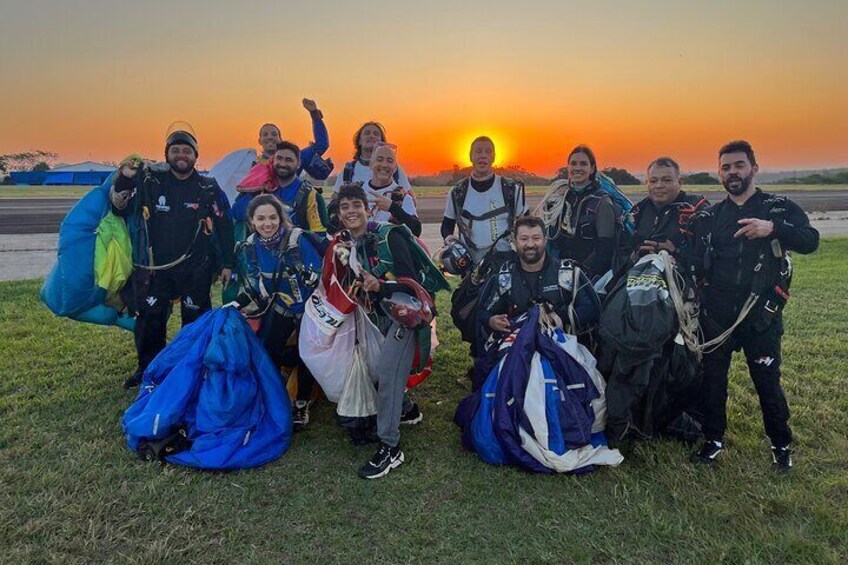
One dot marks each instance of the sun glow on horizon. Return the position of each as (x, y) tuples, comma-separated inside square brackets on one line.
[(462, 148)]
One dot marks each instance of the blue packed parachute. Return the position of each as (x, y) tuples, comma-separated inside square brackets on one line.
[(94, 255), (620, 199), (537, 408), (212, 399)]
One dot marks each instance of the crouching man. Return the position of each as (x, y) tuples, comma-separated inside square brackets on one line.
[(537, 278), (388, 252)]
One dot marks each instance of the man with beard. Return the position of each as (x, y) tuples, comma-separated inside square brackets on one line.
[(740, 258), (537, 278), (662, 218), (484, 205), (298, 196), (183, 232)]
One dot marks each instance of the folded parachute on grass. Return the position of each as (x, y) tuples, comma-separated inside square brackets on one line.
[(648, 353), (212, 399), (93, 263), (542, 406)]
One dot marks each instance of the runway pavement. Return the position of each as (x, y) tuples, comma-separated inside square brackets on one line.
[(30, 256), (43, 215)]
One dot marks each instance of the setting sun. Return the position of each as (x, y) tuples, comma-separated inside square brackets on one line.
[(463, 147)]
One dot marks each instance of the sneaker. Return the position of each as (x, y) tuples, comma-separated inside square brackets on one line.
[(386, 459), (300, 414), (781, 458), (134, 381), (412, 416), (708, 453)]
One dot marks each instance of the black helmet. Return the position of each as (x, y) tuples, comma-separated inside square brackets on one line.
[(181, 137), (456, 259)]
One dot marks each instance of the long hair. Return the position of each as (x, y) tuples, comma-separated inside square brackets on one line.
[(586, 150), (272, 200), (357, 145)]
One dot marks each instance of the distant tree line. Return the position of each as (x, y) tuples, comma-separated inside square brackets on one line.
[(700, 179), (619, 176), (37, 160), (836, 178)]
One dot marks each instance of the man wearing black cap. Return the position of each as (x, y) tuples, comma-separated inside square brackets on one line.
[(182, 239)]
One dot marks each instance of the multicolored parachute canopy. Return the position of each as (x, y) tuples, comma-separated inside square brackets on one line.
[(93, 263)]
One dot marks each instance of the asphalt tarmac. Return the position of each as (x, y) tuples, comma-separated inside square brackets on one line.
[(43, 215)]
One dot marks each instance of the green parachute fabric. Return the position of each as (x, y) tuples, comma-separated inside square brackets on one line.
[(112, 256)]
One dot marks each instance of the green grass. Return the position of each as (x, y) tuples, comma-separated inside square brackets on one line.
[(79, 191), (59, 191), (71, 491)]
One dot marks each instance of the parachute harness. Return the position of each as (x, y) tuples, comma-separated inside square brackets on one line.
[(688, 312)]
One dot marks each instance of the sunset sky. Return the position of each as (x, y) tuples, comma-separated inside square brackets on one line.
[(635, 80)]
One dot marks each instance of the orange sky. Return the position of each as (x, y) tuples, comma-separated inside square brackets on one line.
[(96, 80)]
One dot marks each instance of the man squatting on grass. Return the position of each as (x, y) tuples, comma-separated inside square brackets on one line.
[(740, 258), (536, 277), (397, 353)]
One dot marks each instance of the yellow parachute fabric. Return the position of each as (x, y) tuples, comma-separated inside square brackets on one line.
[(112, 255)]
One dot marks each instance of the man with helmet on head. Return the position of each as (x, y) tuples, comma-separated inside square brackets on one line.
[(392, 263), (182, 239)]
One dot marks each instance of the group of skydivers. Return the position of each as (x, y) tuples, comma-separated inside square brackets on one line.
[(268, 249)]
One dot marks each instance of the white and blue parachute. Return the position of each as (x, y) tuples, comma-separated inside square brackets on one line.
[(541, 408)]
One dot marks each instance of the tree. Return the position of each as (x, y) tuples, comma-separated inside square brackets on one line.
[(700, 179), (27, 160), (40, 167), (621, 176)]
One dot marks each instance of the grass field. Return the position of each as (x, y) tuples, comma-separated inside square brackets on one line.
[(78, 191), (70, 491)]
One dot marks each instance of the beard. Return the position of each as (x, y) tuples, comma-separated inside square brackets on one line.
[(531, 256), (284, 174), (743, 184), (181, 165)]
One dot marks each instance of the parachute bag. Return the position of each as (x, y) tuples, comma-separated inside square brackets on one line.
[(113, 264), (359, 397)]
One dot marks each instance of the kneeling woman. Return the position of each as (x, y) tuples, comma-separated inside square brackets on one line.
[(279, 267)]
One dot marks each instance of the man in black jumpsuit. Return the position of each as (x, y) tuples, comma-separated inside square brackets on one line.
[(662, 218), (175, 212), (536, 277), (739, 252)]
